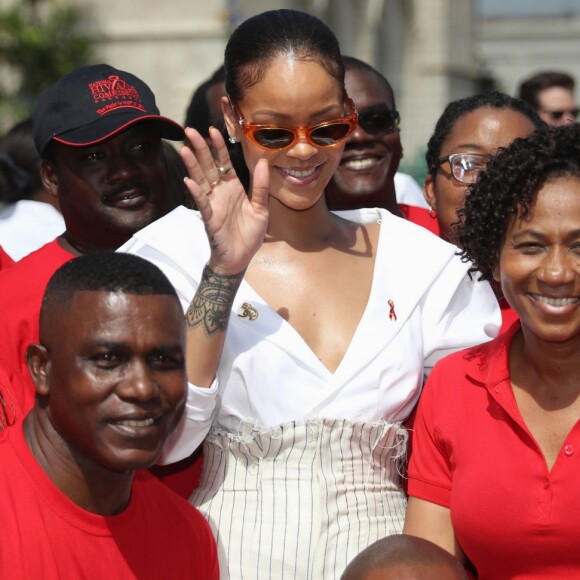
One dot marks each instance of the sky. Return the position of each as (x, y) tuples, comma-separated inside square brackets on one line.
[(510, 8)]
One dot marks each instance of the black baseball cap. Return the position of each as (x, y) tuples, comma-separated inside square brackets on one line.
[(94, 103)]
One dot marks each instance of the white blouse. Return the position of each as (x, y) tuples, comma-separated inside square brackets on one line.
[(267, 372)]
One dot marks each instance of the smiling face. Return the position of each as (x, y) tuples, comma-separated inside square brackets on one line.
[(110, 190), (115, 377), (370, 160), (539, 266), (292, 93), (481, 131)]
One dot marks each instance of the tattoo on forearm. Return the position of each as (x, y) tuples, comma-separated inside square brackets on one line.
[(213, 301)]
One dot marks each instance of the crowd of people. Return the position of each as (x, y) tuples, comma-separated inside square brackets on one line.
[(341, 379)]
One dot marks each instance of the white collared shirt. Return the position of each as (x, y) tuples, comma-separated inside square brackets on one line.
[(267, 371)]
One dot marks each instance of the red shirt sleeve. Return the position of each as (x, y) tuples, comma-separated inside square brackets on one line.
[(429, 462)]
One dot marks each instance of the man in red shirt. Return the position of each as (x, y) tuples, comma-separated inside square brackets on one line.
[(109, 370), (99, 133)]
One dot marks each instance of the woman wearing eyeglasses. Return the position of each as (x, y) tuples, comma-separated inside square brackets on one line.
[(309, 332), (468, 132), (493, 474)]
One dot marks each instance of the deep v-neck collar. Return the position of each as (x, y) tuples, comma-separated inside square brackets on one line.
[(401, 276), (276, 325)]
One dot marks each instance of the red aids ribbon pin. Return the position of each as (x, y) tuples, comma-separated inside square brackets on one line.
[(392, 313)]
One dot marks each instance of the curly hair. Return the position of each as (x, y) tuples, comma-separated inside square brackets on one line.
[(509, 188), (457, 109)]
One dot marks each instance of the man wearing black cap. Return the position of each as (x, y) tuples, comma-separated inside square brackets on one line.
[(99, 133)]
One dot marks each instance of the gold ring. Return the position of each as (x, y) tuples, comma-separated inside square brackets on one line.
[(223, 171), (212, 185)]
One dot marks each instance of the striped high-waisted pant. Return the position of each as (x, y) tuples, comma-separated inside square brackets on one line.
[(300, 500)]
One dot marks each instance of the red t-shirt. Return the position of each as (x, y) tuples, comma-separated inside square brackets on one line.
[(9, 408), (45, 535), (5, 259), (473, 453), (21, 290), (181, 477), (421, 217)]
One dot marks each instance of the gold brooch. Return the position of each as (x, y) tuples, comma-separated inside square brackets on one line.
[(248, 311)]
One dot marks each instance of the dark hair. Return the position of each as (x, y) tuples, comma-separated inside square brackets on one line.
[(256, 42), (509, 187), (531, 87), (198, 115), (457, 109), (355, 64), (19, 164), (105, 272)]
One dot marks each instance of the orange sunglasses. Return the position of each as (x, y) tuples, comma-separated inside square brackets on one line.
[(276, 138)]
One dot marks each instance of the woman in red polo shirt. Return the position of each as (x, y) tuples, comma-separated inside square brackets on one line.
[(493, 474)]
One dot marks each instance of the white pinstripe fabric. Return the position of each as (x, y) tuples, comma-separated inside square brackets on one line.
[(299, 501)]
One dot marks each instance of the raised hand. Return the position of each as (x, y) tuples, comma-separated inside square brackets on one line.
[(235, 223)]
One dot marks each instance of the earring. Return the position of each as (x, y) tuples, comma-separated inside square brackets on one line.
[(432, 213), (232, 140)]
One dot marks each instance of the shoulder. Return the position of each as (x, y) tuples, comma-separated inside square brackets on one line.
[(408, 234), (412, 252), (484, 363), (176, 510), (175, 520), (29, 276), (180, 225), (457, 365), (413, 264), (179, 236), (45, 259)]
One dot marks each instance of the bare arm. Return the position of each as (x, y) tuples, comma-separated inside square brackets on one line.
[(432, 522), (235, 225)]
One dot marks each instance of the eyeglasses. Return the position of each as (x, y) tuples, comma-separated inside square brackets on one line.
[(274, 137), (465, 167), (557, 115), (377, 121)]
